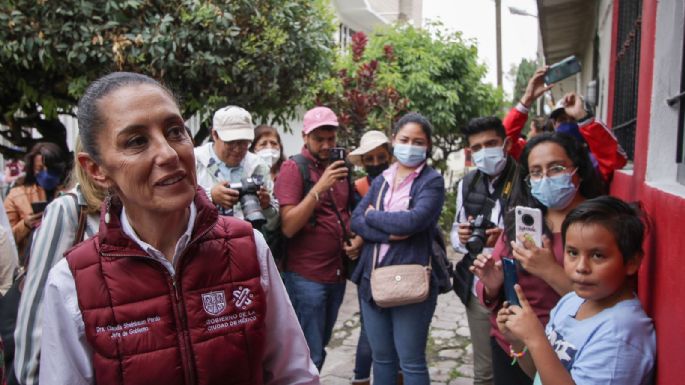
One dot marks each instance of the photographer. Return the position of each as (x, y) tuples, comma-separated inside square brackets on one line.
[(238, 182), (314, 193), (481, 196)]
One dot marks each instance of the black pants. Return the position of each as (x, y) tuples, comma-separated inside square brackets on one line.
[(503, 372)]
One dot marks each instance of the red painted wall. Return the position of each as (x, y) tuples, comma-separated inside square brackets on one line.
[(662, 274)]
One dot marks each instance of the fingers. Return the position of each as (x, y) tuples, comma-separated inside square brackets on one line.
[(546, 242), (522, 297)]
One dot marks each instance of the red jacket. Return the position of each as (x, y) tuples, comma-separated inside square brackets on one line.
[(601, 142), (203, 326)]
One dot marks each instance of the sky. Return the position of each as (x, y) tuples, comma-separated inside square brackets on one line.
[(476, 19)]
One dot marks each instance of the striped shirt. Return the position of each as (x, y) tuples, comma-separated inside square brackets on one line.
[(54, 236)]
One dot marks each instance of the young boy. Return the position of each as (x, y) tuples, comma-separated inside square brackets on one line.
[(598, 333)]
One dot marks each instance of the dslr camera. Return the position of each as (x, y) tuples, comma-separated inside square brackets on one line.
[(478, 238), (249, 201)]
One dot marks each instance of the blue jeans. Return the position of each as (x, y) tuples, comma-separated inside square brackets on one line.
[(398, 339), (316, 305), (362, 360)]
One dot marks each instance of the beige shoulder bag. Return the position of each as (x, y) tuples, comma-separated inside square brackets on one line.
[(398, 285)]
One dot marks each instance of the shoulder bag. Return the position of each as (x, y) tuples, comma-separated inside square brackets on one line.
[(398, 285)]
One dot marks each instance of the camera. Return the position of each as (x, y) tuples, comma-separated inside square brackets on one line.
[(249, 201), (337, 153), (478, 238)]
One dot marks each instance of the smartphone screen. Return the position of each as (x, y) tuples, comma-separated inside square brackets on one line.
[(510, 279), (38, 207)]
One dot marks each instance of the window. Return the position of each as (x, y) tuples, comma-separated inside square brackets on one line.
[(680, 101), (627, 74)]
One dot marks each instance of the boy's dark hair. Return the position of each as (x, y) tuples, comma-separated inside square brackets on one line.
[(482, 124), (625, 221)]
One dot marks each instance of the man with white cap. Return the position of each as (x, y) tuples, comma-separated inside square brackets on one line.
[(314, 195), (225, 163)]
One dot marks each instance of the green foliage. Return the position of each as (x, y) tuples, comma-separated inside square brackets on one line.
[(263, 55), (439, 74), (449, 210)]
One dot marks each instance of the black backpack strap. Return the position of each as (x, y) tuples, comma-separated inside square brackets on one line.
[(303, 165)]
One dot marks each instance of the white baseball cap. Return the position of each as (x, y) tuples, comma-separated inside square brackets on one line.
[(369, 141), (233, 123)]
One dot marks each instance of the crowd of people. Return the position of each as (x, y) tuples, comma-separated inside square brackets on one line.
[(146, 259)]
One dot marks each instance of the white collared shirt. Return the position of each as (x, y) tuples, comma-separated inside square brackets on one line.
[(67, 357)]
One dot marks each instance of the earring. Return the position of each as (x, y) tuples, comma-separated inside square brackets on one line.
[(108, 204)]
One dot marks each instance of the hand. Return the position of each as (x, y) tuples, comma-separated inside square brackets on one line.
[(575, 106), (536, 87), (224, 196), (264, 198), (521, 323), (352, 250), (333, 173), (465, 231), (503, 316), (33, 220), (536, 260), (493, 235), (489, 272), (395, 238)]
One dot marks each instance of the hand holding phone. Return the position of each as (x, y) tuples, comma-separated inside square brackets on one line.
[(529, 224)]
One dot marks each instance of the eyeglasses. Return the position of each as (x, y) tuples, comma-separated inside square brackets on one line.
[(551, 172)]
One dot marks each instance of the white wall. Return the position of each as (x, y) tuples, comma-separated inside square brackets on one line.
[(661, 157)]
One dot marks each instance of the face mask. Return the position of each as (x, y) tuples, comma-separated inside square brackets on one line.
[(490, 160), (571, 128), (270, 155), (408, 155), (556, 192), (47, 180), (374, 171)]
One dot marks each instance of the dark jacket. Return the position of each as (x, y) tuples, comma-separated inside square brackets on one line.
[(419, 222)]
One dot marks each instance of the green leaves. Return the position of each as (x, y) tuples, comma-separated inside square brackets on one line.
[(263, 55)]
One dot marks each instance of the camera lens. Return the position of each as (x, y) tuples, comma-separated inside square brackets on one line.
[(252, 210), (527, 220)]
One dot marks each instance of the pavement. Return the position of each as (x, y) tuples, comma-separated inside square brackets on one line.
[(449, 352)]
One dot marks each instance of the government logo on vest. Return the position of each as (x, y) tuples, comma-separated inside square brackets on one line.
[(214, 302), (242, 297)]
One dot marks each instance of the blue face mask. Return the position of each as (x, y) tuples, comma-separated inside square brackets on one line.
[(490, 160), (555, 192), (47, 180), (408, 155)]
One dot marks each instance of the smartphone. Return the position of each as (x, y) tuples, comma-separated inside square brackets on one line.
[(529, 224), (562, 70), (38, 207), (510, 279), (337, 153)]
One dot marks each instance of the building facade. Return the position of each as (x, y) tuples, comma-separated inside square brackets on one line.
[(637, 48)]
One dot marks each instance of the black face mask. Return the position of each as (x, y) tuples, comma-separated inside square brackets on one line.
[(374, 171)]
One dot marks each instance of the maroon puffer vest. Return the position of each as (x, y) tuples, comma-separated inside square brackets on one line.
[(204, 326)]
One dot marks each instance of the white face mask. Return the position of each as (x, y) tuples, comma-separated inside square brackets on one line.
[(490, 160), (270, 155)]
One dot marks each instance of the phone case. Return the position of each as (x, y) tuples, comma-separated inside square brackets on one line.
[(529, 224), (510, 279), (563, 69)]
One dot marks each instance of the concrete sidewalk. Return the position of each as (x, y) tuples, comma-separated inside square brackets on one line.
[(449, 352)]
